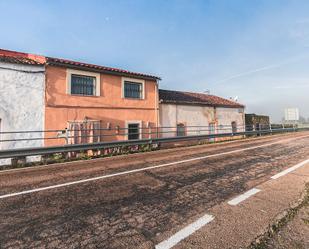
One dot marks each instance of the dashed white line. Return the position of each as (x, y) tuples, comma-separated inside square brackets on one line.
[(243, 197), (185, 232), (284, 172), (142, 169)]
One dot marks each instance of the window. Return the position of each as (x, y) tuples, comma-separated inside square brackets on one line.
[(212, 130), (133, 88), (133, 131), (234, 127), (181, 130), (83, 85)]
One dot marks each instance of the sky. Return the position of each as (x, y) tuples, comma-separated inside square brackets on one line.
[(257, 51)]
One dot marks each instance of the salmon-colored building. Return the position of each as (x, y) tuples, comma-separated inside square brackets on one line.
[(99, 103), (95, 103)]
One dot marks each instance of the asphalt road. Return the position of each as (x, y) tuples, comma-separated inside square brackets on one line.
[(90, 204)]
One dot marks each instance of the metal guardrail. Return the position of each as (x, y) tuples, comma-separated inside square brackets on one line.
[(39, 151), (101, 133)]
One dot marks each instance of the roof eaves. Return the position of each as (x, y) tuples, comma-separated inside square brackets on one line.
[(202, 103), (97, 68)]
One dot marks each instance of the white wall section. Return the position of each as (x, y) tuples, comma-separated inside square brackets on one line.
[(197, 115), (21, 104)]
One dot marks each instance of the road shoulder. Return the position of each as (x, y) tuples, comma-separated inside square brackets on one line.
[(237, 226), (289, 231)]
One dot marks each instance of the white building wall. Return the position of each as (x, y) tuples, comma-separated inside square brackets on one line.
[(226, 116), (201, 116), (168, 119), (21, 104)]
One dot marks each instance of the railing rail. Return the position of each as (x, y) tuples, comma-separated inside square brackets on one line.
[(101, 133), (40, 151)]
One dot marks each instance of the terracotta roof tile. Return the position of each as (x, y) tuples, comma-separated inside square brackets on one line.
[(64, 62), (190, 98), (19, 60)]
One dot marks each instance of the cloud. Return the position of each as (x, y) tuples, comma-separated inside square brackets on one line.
[(291, 86), (265, 68)]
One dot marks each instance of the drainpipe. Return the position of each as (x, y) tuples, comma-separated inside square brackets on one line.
[(215, 123), (157, 108), (176, 113)]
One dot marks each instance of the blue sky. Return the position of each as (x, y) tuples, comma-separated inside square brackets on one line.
[(256, 50)]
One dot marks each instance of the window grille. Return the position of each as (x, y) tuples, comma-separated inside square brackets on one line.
[(133, 131), (82, 85), (133, 90), (181, 130)]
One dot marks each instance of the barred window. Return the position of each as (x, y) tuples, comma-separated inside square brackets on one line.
[(83, 85), (234, 127), (133, 131), (133, 90), (181, 130)]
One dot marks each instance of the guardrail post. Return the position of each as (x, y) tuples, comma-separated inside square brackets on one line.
[(18, 160), (67, 136)]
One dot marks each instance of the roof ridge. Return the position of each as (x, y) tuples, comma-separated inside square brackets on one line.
[(16, 56), (206, 94), (35, 57), (19, 60)]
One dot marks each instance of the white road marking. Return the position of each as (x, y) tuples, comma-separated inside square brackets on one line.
[(142, 169), (284, 172), (243, 197), (185, 232)]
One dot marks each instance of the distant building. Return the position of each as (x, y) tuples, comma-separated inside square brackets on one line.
[(291, 115), (256, 122), (187, 113)]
